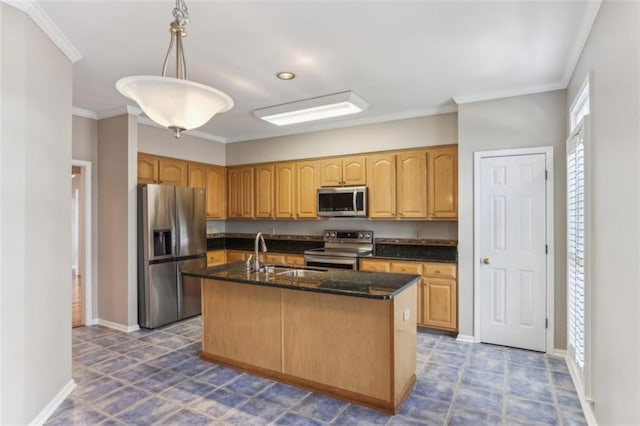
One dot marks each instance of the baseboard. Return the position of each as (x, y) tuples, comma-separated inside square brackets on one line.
[(54, 403), (466, 338), (116, 326), (562, 353), (587, 407), (91, 322)]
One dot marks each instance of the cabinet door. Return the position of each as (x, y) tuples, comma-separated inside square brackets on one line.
[(443, 182), (440, 303), (354, 170), (412, 184), (234, 192), (246, 179), (216, 187), (172, 172), (197, 175), (331, 172), (306, 189), (264, 191), (381, 178), (284, 190), (375, 265), (216, 257), (147, 169)]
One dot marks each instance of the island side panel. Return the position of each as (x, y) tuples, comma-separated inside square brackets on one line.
[(242, 323), (404, 343), (339, 341)]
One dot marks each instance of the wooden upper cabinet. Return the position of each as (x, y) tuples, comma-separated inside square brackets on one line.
[(264, 191), (240, 192), (216, 187), (284, 190), (412, 184), (306, 189), (172, 172), (197, 175), (330, 172), (381, 182), (147, 168), (443, 182), (343, 171)]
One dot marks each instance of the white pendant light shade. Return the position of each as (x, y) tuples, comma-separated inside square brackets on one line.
[(175, 103)]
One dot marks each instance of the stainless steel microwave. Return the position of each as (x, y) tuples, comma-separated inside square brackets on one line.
[(342, 202)]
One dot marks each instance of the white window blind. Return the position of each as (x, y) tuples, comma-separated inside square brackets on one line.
[(576, 248)]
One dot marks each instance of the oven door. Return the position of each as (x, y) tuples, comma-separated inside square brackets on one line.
[(331, 262)]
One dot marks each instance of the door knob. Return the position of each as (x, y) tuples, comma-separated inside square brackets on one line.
[(486, 260)]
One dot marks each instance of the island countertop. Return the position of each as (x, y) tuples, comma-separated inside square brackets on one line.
[(372, 285)]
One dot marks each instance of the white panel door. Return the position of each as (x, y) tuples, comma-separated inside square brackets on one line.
[(512, 258)]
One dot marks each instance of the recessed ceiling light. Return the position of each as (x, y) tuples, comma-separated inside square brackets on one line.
[(344, 103), (286, 75)]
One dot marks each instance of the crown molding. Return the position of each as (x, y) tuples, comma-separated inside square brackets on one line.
[(489, 96), (127, 109), (590, 14), (46, 24), (297, 129), (80, 112), (196, 133)]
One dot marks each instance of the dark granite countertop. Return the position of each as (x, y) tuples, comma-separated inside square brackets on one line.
[(373, 285)]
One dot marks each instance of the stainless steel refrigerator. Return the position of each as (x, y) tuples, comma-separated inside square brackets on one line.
[(171, 237)]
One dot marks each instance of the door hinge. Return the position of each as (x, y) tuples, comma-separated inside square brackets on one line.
[(546, 175), (546, 323), (546, 249)]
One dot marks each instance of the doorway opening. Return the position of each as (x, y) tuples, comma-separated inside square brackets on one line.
[(81, 271)]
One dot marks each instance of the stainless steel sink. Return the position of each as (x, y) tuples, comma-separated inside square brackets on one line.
[(300, 273)]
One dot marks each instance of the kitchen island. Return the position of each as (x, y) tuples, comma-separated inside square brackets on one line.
[(347, 334)]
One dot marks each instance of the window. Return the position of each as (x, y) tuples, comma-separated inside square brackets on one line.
[(580, 106), (578, 308)]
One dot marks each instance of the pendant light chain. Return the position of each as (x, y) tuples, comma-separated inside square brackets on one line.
[(178, 30)]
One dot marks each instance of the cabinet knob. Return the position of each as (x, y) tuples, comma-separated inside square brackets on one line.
[(486, 260)]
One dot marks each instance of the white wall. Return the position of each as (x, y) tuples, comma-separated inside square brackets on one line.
[(85, 147), (117, 284), (154, 140), (611, 56), (516, 122), (412, 133), (35, 218), (381, 228)]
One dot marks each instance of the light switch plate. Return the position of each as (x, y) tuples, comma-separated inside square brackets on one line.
[(405, 315)]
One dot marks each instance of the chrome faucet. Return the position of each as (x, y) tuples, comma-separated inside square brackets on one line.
[(256, 264)]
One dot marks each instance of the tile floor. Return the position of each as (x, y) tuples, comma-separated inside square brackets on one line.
[(156, 377)]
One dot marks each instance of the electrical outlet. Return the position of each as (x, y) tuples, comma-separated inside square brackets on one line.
[(405, 315), (272, 230)]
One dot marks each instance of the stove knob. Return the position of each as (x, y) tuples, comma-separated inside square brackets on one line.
[(367, 236), (360, 235), (333, 235)]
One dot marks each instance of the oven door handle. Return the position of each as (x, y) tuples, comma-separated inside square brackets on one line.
[(327, 259)]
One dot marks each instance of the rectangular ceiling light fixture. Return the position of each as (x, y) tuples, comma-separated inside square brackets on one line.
[(336, 105)]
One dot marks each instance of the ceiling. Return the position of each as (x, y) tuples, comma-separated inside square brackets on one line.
[(406, 59)]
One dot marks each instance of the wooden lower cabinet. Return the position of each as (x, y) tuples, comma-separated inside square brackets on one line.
[(216, 257), (439, 300), (437, 305), (354, 348), (234, 256)]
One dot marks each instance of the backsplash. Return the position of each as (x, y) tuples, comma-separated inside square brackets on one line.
[(380, 228)]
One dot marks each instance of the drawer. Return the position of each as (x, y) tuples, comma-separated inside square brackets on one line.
[(444, 270), (406, 268), (216, 257), (375, 265), (234, 256), (294, 259), (278, 259)]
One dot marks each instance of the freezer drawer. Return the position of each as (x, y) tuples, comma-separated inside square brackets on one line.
[(158, 297), (189, 292)]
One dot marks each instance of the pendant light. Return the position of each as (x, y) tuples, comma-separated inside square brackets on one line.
[(175, 103)]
